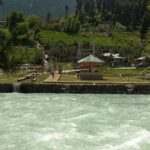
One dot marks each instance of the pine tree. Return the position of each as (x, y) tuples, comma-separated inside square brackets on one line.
[(79, 6), (66, 10)]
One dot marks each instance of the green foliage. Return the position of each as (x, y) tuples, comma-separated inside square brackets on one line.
[(145, 25), (14, 22), (34, 24), (23, 30), (64, 45), (5, 48), (13, 19), (128, 13), (122, 39), (24, 55), (20, 31), (69, 24)]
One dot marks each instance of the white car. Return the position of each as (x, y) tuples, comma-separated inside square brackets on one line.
[(25, 67)]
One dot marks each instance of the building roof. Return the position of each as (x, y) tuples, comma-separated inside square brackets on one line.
[(115, 56), (2, 21), (107, 54), (141, 58), (91, 59)]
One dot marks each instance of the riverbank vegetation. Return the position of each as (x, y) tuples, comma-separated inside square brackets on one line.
[(109, 76)]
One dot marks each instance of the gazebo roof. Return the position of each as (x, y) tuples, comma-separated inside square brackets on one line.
[(91, 59)]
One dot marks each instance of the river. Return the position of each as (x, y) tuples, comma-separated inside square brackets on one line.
[(74, 122)]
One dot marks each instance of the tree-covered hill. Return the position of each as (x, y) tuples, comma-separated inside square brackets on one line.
[(37, 7), (115, 26)]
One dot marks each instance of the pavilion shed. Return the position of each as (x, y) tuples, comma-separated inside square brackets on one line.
[(87, 63)]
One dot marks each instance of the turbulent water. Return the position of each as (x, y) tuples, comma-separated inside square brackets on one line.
[(74, 122)]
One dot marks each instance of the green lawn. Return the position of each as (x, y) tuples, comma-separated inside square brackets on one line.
[(112, 76), (10, 78), (111, 72), (119, 39), (73, 78), (41, 78)]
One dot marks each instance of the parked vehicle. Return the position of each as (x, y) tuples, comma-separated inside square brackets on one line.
[(25, 67), (143, 65)]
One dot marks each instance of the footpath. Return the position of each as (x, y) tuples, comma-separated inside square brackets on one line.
[(52, 79)]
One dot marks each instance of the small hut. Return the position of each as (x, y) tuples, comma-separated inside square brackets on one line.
[(88, 63)]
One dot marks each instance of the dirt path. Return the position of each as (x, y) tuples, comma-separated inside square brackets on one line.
[(52, 79)]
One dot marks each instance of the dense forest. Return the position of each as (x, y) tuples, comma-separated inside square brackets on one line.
[(131, 14), (128, 13)]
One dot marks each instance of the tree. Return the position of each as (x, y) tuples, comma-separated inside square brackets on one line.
[(13, 19), (1, 2), (34, 24), (126, 12), (145, 25), (5, 47), (79, 6), (48, 20), (48, 17), (23, 35), (71, 25), (66, 10)]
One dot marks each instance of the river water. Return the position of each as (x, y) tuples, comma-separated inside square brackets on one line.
[(74, 122)]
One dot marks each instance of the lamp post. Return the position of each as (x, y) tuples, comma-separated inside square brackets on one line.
[(27, 54)]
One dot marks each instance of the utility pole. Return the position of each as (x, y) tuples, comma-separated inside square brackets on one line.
[(27, 54), (93, 49), (79, 51)]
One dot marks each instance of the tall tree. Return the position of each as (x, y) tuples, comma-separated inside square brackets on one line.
[(5, 47), (1, 2), (48, 17), (145, 23), (66, 10), (34, 23), (79, 6), (13, 19), (126, 12)]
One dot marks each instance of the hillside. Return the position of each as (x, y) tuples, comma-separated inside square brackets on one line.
[(125, 43), (37, 7), (123, 40), (88, 29)]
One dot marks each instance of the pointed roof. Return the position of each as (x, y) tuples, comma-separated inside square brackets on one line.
[(91, 59)]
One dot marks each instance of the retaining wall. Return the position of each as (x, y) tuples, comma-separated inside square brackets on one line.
[(80, 88)]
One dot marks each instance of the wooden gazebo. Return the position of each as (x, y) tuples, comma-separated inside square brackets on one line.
[(87, 63), (90, 61)]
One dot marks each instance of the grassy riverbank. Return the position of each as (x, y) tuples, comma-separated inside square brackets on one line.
[(73, 78), (109, 76), (10, 78)]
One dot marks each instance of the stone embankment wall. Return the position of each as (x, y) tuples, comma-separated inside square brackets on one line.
[(6, 88), (79, 88)]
